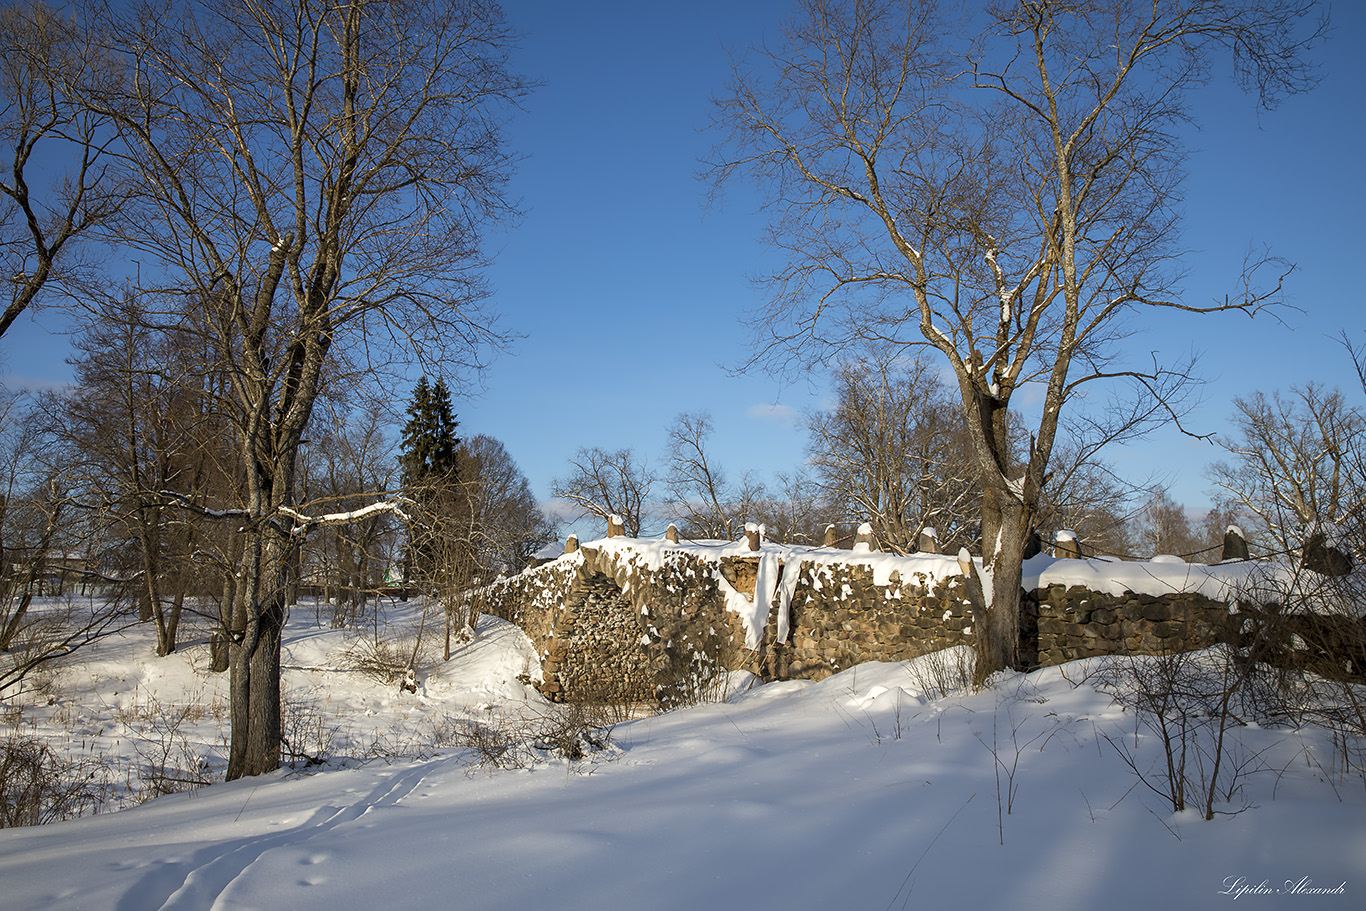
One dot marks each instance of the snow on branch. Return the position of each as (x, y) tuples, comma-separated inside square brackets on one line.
[(307, 523), (184, 502)]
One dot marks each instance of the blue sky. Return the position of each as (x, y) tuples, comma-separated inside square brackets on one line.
[(628, 290)]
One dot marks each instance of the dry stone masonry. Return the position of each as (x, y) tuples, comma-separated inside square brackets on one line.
[(656, 621), (842, 614), (598, 654), (1068, 622)]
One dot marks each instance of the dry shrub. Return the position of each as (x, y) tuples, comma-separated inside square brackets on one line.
[(28, 662), (1302, 646), (147, 709), (948, 672), (446, 730), (310, 733), (39, 786), (168, 762), (577, 730), (1189, 702), (573, 732), (386, 661)]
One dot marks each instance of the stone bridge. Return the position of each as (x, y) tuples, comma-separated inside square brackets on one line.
[(654, 620)]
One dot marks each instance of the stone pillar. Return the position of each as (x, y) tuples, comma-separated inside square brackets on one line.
[(929, 541), (831, 537), (1065, 544), (616, 528), (866, 540), (754, 535), (671, 534), (571, 544), (1235, 544)]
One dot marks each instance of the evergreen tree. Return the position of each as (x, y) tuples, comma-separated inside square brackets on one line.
[(430, 474), (428, 446)]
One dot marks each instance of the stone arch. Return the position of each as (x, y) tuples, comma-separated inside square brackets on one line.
[(598, 652)]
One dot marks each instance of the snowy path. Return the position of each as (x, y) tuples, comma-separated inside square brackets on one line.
[(205, 881)]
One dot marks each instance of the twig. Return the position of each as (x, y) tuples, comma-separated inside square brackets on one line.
[(918, 860)]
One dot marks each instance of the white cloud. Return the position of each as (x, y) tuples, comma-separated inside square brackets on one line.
[(765, 411)]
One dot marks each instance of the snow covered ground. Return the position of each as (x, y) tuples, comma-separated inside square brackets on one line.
[(866, 790)]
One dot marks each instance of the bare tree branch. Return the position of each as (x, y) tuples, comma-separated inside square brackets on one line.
[(1008, 197)]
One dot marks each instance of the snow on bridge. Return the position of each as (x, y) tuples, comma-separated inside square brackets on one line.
[(634, 620)]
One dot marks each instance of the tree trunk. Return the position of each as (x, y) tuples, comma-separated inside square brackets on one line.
[(255, 684), (1004, 527), (1001, 643), (151, 581), (220, 653), (173, 620), (16, 619), (296, 571), (447, 654), (256, 716)]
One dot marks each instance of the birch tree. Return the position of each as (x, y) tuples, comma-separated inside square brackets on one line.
[(1003, 188)]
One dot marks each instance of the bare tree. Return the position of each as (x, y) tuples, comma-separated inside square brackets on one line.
[(507, 523), (133, 426), (27, 515), (794, 510), (36, 540), (1162, 527), (493, 528), (606, 484), (701, 495), (55, 187), (342, 469), (312, 179), (893, 452), (1009, 198), (1085, 496), (1294, 462)]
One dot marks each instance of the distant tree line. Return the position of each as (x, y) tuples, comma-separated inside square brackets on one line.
[(891, 451)]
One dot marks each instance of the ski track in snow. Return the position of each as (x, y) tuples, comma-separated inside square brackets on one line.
[(204, 882)]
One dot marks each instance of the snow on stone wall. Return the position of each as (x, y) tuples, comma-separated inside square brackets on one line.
[(807, 612)]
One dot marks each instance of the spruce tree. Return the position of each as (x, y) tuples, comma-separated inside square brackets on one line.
[(427, 456)]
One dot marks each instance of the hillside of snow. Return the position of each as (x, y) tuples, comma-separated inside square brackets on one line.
[(868, 789)]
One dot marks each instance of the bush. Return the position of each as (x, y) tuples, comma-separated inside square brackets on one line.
[(310, 733), (38, 786), (1189, 701), (392, 663), (1303, 644), (571, 732), (947, 672)]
